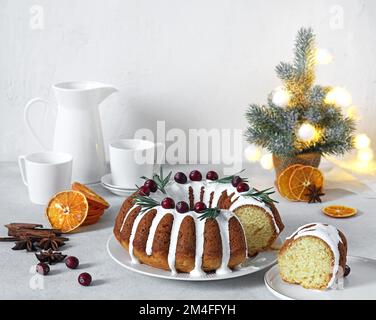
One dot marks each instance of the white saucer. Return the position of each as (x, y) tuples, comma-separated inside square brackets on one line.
[(359, 284), (107, 181), (251, 265), (119, 192)]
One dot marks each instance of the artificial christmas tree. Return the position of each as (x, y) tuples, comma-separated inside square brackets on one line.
[(301, 121)]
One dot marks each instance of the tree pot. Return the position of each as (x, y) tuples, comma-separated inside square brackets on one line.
[(308, 159)]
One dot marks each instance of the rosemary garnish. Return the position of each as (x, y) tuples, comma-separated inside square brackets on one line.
[(261, 196), (146, 203), (209, 213), (228, 179), (160, 180)]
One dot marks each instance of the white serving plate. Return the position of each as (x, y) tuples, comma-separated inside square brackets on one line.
[(251, 265), (359, 284)]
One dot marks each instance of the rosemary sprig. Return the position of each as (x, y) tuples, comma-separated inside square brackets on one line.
[(210, 213), (160, 180), (261, 195), (229, 178), (146, 203)]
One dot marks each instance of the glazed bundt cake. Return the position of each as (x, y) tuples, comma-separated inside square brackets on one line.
[(314, 256), (196, 226)]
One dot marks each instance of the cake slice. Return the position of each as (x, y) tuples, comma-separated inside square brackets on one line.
[(314, 256), (261, 226)]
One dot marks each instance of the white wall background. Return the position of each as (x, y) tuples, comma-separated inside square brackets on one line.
[(195, 64)]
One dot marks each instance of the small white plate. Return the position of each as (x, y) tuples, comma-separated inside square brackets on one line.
[(119, 192), (107, 181), (251, 265), (359, 284)]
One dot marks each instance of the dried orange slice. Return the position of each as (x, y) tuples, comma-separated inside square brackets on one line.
[(338, 211), (283, 181), (94, 214), (301, 179), (67, 210), (91, 220), (94, 199)]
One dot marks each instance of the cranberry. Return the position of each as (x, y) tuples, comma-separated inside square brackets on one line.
[(347, 271), (242, 187), (72, 262), (151, 184), (195, 175), (212, 175), (182, 207), (168, 203), (42, 268), (144, 191), (180, 177), (84, 279), (200, 207), (235, 181)]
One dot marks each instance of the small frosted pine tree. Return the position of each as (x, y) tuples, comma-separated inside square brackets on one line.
[(275, 126)]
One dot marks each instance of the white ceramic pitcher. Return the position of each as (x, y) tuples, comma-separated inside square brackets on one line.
[(78, 129)]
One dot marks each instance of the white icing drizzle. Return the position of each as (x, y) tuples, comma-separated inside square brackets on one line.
[(180, 192), (173, 241), (126, 216), (223, 223), (200, 227), (153, 228), (133, 234), (327, 233)]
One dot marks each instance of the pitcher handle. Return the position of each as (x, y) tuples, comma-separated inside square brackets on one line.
[(21, 163), (28, 122)]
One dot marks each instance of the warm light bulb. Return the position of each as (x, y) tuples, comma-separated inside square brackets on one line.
[(323, 56), (252, 153), (266, 161), (281, 97), (307, 132), (339, 96), (353, 113), (362, 141), (365, 155)]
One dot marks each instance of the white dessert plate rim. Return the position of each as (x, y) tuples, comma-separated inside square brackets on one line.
[(357, 285), (121, 256)]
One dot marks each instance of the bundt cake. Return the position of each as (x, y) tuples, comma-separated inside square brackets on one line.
[(314, 256), (196, 226)]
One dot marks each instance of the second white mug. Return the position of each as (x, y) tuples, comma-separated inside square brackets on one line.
[(45, 174), (130, 159)]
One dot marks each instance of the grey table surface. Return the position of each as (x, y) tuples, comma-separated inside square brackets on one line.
[(111, 281)]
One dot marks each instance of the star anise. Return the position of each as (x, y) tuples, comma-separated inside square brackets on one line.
[(314, 194), (53, 243), (24, 242), (50, 256)]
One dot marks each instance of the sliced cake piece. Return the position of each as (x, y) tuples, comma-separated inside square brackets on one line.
[(261, 226), (314, 256)]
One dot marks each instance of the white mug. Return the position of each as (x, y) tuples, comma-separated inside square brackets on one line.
[(130, 159), (45, 174)]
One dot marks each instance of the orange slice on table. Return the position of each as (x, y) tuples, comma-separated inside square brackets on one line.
[(338, 211), (301, 179), (93, 198), (283, 181), (97, 212), (67, 210)]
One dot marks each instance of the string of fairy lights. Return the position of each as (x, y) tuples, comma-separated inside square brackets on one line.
[(307, 132)]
